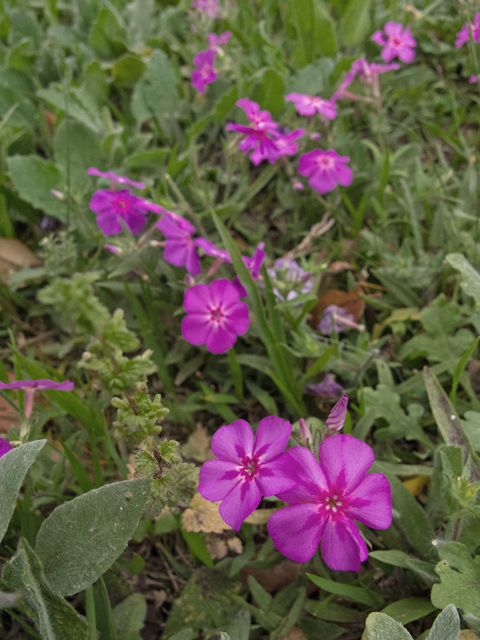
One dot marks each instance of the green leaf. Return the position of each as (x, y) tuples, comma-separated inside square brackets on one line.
[(103, 612), (223, 106), (239, 627), (355, 22), (261, 597), (460, 367), (409, 609), (129, 616), (460, 579), (105, 34), (447, 625), (358, 594), (197, 547), (271, 94), (81, 539), (55, 617), (128, 69), (424, 570), (156, 93), (470, 281), (80, 474), (382, 627), (13, 469), (75, 103), (312, 79)]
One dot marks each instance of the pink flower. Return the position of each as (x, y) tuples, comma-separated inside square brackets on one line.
[(253, 264), (260, 135), (216, 316), (113, 249), (179, 248), (337, 318), (30, 386), (211, 250), (109, 175), (329, 496), (205, 74), (5, 447), (327, 388), (397, 42), (114, 207), (341, 91), (247, 467), (473, 79), (464, 34), (325, 169), (215, 41), (369, 72), (309, 105), (287, 144), (210, 8), (337, 415)]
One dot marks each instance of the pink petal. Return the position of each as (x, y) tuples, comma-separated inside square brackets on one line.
[(175, 252), (220, 339), (109, 223), (371, 502), (344, 175), (217, 479), (5, 447), (296, 531), (275, 477), (238, 317), (195, 328), (192, 261), (343, 548), (322, 181), (197, 299), (393, 29), (233, 442), (223, 292), (379, 38), (345, 461), (388, 53), (242, 500), (311, 481), (134, 221), (272, 438), (406, 55)]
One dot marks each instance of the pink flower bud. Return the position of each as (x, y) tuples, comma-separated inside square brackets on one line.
[(297, 185), (305, 432), (337, 415)]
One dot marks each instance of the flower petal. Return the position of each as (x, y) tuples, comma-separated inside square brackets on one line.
[(5, 447), (238, 317), (296, 531), (220, 339), (345, 461), (192, 261), (196, 299), (343, 548), (195, 328), (224, 292), (275, 477), (311, 481), (233, 442), (272, 438), (217, 479), (242, 500), (109, 223), (175, 252), (371, 502)]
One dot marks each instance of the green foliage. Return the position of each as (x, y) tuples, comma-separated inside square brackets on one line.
[(460, 579), (381, 626), (138, 416)]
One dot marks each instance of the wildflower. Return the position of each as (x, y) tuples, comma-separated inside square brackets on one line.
[(109, 175), (327, 388), (309, 105), (211, 250), (398, 42), (205, 74), (179, 248), (5, 447), (464, 34), (114, 207), (215, 41), (315, 136), (260, 135), (337, 319), (286, 144), (369, 72), (290, 279), (325, 169), (297, 185), (210, 8), (473, 79), (341, 91), (337, 415), (216, 316), (329, 496), (253, 264), (247, 467), (30, 386)]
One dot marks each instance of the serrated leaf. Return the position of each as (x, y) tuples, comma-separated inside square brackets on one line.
[(156, 93), (81, 539), (460, 579)]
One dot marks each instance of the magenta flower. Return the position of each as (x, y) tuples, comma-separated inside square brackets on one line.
[(464, 34), (329, 496), (327, 388), (247, 467), (30, 386), (179, 248), (5, 447), (205, 73), (216, 316), (309, 105), (109, 175), (211, 250), (260, 135), (473, 79), (396, 42), (369, 72), (341, 91), (325, 169), (253, 264), (286, 144), (337, 415), (337, 318), (210, 8), (215, 42), (114, 207)]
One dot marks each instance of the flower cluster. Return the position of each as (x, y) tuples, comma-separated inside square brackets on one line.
[(204, 73), (463, 35)]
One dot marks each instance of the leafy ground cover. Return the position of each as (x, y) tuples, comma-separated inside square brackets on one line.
[(239, 245)]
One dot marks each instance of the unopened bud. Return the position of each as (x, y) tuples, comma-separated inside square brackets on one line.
[(86, 355), (58, 194), (142, 387), (337, 415), (305, 432)]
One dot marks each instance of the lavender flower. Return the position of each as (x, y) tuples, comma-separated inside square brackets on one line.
[(369, 72), (260, 135), (337, 319), (325, 169), (210, 8), (215, 41), (211, 250), (327, 388), (290, 279), (179, 248), (205, 73), (396, 42), (253, 264), (309, 105), (463, 35), (114, 207)]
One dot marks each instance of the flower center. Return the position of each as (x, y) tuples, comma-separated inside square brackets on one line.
[(332, 504), (395, 41), (120, 204), (250, 467), (326, 162), (217, 314)]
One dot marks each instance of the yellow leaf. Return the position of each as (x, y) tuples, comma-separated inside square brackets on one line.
[(260, 516), (467, 634), (235, 545), (202, 515), (415, 485)]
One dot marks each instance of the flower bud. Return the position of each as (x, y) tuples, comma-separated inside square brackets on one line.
[(305, 432), (337, 415)]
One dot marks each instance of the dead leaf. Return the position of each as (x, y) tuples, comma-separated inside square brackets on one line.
[(197, 446), (415, 485), (260, 516), (295, 633), (131, 467), (338, 266), (15, 255), (350, 300), (217, 546), (202, 515), (235, 545), (274, 578), (467, 634)]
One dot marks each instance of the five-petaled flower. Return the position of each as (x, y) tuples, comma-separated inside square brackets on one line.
[(464, 34), (116, 179), (308, 105), (210, 8), (205, 73), (30, 386), (114, 207), (325, 169), (260, 135), (396, 42), (179, 248), (216, 316), (247, 467), (328, 497), (215, 41)]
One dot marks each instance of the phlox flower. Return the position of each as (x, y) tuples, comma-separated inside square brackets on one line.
[(30, 386), (337, 415), (329, 496), (179, 248), (325, 169), (5, 447), (309, 105), (327, 388), (247, 467), (253, 264), (114, 207), (109, 175), (369, 72), (205, 73), (211, 250), (474, 78), (396, 42), (287, 144), (290, 279), (210, 8), (341, 91), (463, 35), (260, 135), (337, 318), (216, 316), (215, 42)]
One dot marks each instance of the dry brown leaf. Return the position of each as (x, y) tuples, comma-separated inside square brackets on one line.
[(415, 485), (216, 546), (202, 515), (467, 634), (235, 545), (295, 633), (274, 578), (349, 300), (131, 467), (15, 255), (197, 446), (260, 516), (338, 266)]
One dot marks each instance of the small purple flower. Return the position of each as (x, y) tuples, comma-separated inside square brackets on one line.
[(287, 144), (179, 248), (247, 467), (211, 250), (5, 447), (327, 388), (297, 185), (337, 415), (473, 79), (463, 35), (325, 169), (216, 316), (341, 91), (337, 319), (290, 279), (114, 207), (369, 72), (329, 496), (109, 175), (260, 135), (205, 73), (309, 105), (210, 8), (215, 42), (396, 42), (253, 264), (30, 386)]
